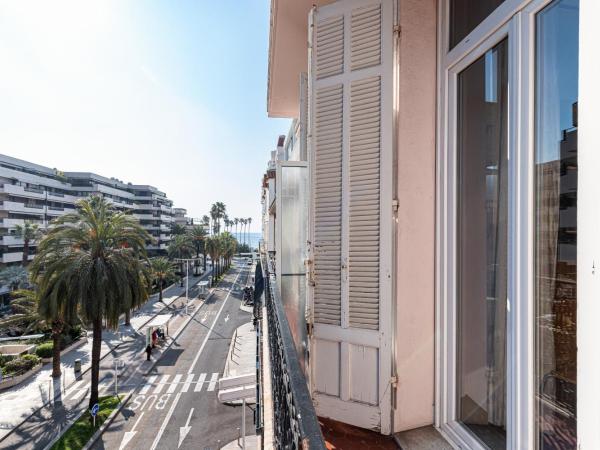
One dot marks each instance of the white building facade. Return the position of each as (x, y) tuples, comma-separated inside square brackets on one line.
[(38, 194)]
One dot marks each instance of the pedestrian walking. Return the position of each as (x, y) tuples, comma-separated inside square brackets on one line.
[(148, 352)]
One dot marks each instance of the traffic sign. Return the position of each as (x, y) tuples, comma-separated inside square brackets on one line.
[(95, 409)]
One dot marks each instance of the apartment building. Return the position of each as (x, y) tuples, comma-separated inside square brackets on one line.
[(452, 162), (38, 194), (180, 217)]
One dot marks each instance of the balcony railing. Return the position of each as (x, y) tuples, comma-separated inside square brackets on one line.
[(295, 423)]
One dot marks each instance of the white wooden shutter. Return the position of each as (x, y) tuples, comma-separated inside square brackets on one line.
[(350, 153)]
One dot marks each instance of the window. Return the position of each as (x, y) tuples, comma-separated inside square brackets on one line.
[(482, 246), (465, 15), (556, 65)]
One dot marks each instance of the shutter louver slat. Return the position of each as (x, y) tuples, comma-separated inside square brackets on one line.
[(365, 44), (328, 202), (330, 49), (364, 188)]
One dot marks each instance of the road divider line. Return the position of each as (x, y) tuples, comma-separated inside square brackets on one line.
[(166, 421), (200, 382), (191, 370)]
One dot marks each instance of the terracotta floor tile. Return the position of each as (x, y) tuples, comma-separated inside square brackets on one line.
[(341, 436)]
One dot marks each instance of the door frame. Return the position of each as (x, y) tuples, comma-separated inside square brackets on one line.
[(515, 20)]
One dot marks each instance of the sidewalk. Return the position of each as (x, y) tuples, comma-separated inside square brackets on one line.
[(20, 402), (241, 359)]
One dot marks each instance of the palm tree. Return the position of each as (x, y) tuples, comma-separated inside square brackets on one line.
[(30, 313), (228, 247), (177, 229), (226, 221), (236, 221), (206, 222), (198, 236), (14, 277), (248, 230), (243, 223), (29, 232), (212, 247), (180, 247), (161, 269), (93, 258)]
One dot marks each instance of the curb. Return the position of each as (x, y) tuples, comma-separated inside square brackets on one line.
[(107, 422), (3, 438)]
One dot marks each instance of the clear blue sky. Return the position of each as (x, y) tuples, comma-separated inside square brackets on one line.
[(149, 91)]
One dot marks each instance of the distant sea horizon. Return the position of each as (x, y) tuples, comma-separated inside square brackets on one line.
[(251, 238)]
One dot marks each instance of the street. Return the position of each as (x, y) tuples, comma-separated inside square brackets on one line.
[(175, 405)]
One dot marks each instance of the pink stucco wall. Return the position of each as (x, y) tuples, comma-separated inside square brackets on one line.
[(416, 214)]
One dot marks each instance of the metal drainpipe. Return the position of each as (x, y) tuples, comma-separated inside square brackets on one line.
[(395, 205)]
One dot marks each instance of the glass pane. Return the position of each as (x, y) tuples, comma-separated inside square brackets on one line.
[(482, 246), (292, 279), (556, 224), (465, 15)]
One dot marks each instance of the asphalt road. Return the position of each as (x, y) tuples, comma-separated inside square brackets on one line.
[(176, 405), (42, 426)]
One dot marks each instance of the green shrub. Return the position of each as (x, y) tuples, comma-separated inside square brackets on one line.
[(22, 364), (75, 332), (44, 350)]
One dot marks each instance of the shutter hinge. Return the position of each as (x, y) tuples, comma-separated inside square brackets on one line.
[(397, 30), (395, 205), (394, 380)]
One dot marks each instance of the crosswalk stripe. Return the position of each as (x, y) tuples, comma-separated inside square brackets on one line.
[(80, 393), (161, 384), (213, 382), (148, 384), (200, 382), (173, 385), (188, 381)]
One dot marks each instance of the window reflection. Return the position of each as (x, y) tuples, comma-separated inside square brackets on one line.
[(482, 246), (465, 15), (556, 224)]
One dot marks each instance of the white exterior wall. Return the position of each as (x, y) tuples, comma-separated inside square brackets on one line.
[(588, 238)]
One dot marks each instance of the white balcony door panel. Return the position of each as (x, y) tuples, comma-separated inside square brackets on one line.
[(350, 154)]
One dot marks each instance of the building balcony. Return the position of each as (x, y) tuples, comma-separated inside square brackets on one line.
[(11, 223), (11, 240), (14, 257), (286, 414), (54, 196), (16, 207), (167, 209), (144, 216), (166, 218), (21, 191)]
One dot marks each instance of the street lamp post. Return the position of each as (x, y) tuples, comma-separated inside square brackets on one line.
[(187, 278)]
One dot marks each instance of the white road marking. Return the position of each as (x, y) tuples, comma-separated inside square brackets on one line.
[(183, 431), (148, 384), (200, 382), (165, 422), (174, 384), (191, 370), (213, 382), (161, 385), (80, 392), (188, 381), (130, 434)]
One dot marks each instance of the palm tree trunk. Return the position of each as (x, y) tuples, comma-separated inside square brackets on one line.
[(160, 288), (26, 253), (96, 345), (56, 338), (204, 256)]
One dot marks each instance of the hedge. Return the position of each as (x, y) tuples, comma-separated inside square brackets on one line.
[(45, 350), (21, 364)]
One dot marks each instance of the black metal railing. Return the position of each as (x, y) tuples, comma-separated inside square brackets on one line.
[(295, 423)]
